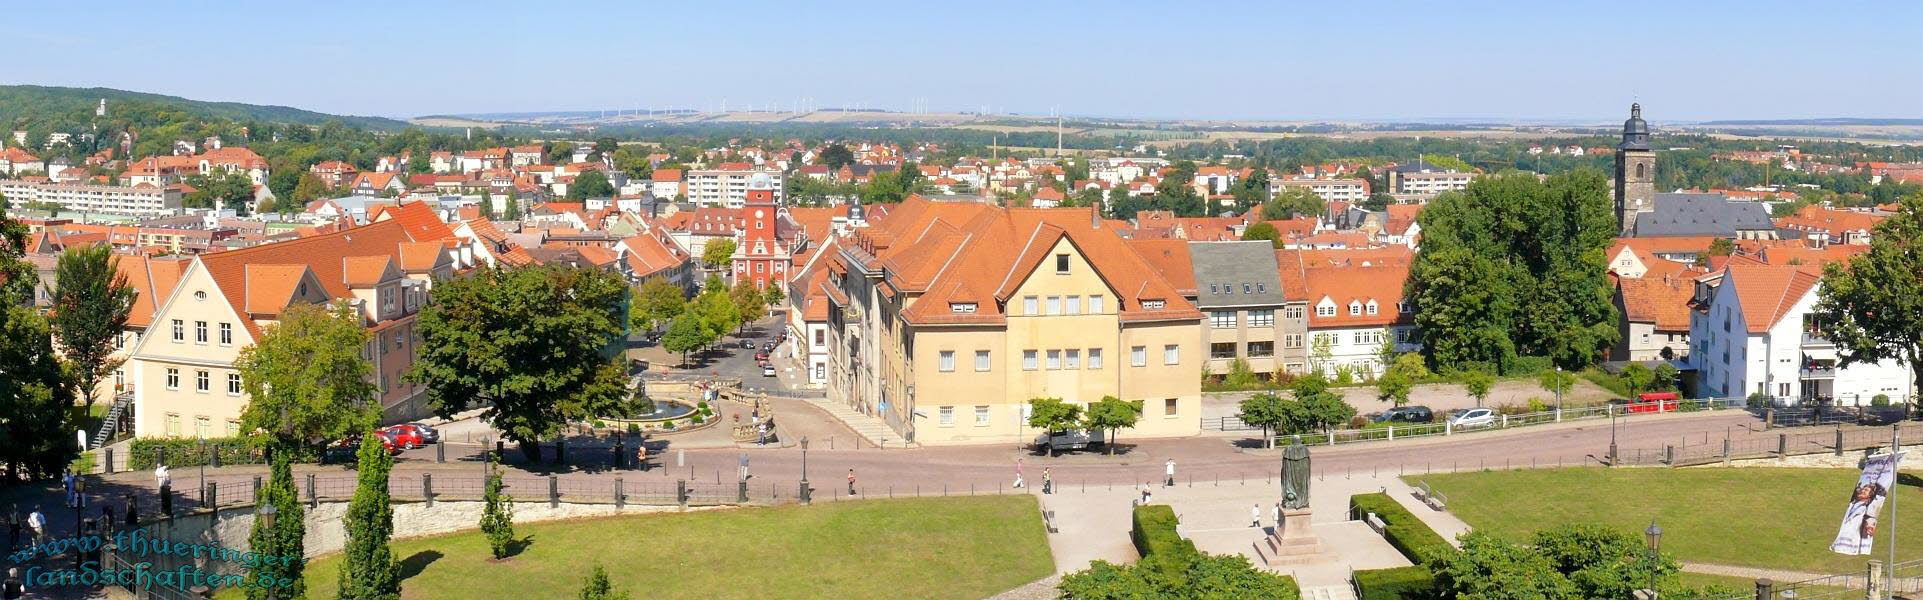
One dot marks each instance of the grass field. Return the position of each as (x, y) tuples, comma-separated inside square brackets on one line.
[(1775, 518), (967, 547)]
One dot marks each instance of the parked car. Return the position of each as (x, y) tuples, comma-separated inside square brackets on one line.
[(1075, 439), (1406, 414), (1655, 402), (747, 344), (347, 451), (407, 437), (761, 356), (767, 370), (1474, 417), (427, 434), (1882, 415)]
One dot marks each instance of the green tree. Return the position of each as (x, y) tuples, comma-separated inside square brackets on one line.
[(1666, 377), (1602, 562), (772, 294), (230, 189), (1872, 306), (1394, 386), (513, 210), (1722, 247), (306, 380), (1489, 568), (1312, 406), (748, 301), (1637, 378), (90, 309), (717, 312), (1558, 382), (34, 396), (368, 569), (1252, 190), (1477, 382), (286, 537), (1263, 231), (718, 253), (1293, 201), (487, 205), (309, 189), (497, 516), (1052, 415), (534, 345), (1514, 266), (1113, 415), (597, 587), (684, 335), (1262, 409), (836, 156), (1177, 576), (657, 303), (592, 184)]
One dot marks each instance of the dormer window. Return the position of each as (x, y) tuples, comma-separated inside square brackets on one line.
[(961, 307), (1152, 305), (1404, 308), (1260, 288), (1245, 288), (1372, 306), (1355, 308), (1325, 310), (1213, 289)]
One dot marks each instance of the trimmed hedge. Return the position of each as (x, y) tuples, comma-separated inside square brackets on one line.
[(1410, 536), (190, 452), (1400, 583), (1154, 531)]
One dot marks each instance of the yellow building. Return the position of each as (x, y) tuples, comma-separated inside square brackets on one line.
[(946, 318), (182, 370)]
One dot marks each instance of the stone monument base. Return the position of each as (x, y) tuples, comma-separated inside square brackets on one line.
[(1294, 541)]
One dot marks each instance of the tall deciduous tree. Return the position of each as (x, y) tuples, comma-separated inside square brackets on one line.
[(228, 188), (748, 301), (1113, 414), (718, 253), (1262, 409), (1477, 383), (285, 538), (1514, 266), (1052, 415), (1313, 406), (534, 345), (306, 379), (309, 189), (685, 335), (1293, 201), (1872, 307), (1263, 231), (717, 312), (34, 396), (592, 184), (368, 569), (90, 308), (658, 303)]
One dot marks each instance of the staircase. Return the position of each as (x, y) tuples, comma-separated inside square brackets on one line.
[(1328, 592), (110, 425), (871, 429)]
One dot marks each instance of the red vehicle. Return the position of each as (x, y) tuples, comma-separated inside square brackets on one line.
[(406, 437), (1655, 402)]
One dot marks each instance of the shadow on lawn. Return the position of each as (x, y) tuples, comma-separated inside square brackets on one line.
[(1908, 480), (516, 547), (413, 565)]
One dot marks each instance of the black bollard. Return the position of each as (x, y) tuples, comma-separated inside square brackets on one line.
[(427, 488), (620, 498), (561, 452), (440, 451), (620, 452), (554, 492), (167, 499)]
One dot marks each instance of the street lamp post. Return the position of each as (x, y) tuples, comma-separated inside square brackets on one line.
[(265, 513), (804, 470), (1654, 535)]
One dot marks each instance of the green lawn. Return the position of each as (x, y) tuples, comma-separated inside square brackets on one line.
[(966, 547), (1762, 517)]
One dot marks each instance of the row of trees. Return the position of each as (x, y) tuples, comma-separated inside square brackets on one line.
[(1109, 414), (699, 323)]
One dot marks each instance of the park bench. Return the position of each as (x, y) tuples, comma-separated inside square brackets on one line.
[(1048, 519), (1429, 496), (1375, 523)]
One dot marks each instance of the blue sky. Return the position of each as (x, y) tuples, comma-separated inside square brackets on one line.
[(1327, 60)]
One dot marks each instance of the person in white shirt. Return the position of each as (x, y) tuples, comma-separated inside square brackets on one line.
[(161, 478), (38, 521)]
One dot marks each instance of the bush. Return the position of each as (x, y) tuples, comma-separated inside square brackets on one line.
[(1529, 366), (1880, 400), (695, 420), (1408, 534), (1400, 583), (144, 454), (1154, 531), (1758, 400), (634, 429), (598, 424)]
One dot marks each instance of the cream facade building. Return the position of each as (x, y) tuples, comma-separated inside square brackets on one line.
[(946, 318)]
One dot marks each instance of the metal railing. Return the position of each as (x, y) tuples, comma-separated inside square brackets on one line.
[(1394, 431), (1838, 442)]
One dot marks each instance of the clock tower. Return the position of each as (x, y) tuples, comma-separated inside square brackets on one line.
[(1635, 172), (759, 256)]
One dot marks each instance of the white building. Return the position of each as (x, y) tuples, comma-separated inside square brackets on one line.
[(1330, 190), (139, 200), (727, 186), (1752, 333), (1353, 312)]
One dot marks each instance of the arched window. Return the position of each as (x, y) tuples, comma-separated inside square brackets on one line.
[(1639, 170)]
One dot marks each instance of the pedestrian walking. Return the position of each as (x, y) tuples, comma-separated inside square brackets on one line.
[(1255, 515), (851, 482), (744, 467), (162, 478), (1048, 480), (1018, 472), (37, 521), (13, 588), (66, 484), (1145, 493), (641, 456), (133, 512), (1169, 468)]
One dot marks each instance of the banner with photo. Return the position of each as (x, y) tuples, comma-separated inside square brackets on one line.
[(1858, 531)]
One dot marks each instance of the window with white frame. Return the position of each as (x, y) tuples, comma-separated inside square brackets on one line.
[(1371, 307), (981, 360), (1325, 310), (1153, 304), (1138, 356), (1072, 305), (947, 416), (1095, 305), (202, 381), (180, 330), (1171, 354), (173, 378), (1222, 319), (1094, 358), (1028, 360), (226, 334), (1355, 308), (1293, 312), (1054, 359), (200, 332), (1262, 318), (1072, 358), (961, 307), (1031, 306), (1054, 305), (981, 415), (233, 384), (947, 361)]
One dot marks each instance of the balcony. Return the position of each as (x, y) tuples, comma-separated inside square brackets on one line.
[(1816, 372), (1812, 340)]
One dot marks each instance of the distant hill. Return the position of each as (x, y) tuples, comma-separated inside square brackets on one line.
[(1830, 122), (34, 102)]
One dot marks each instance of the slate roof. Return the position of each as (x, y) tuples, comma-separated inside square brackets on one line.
[(1229, 274), (1697, 214)]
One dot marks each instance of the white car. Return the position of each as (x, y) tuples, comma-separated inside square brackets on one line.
[(1474, 417), (768, 371)]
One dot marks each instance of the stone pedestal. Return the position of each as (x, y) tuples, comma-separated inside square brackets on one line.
[(1294, 541)]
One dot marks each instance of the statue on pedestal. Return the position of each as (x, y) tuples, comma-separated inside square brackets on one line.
[(1295, 476)]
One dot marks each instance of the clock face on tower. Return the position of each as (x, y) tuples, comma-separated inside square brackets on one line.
[(758, 213)]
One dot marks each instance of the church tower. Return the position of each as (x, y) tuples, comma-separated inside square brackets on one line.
[(1635, 171)]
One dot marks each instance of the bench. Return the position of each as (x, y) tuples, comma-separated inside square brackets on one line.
[(1048, 520), (1375, 523), (1430, 497)]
